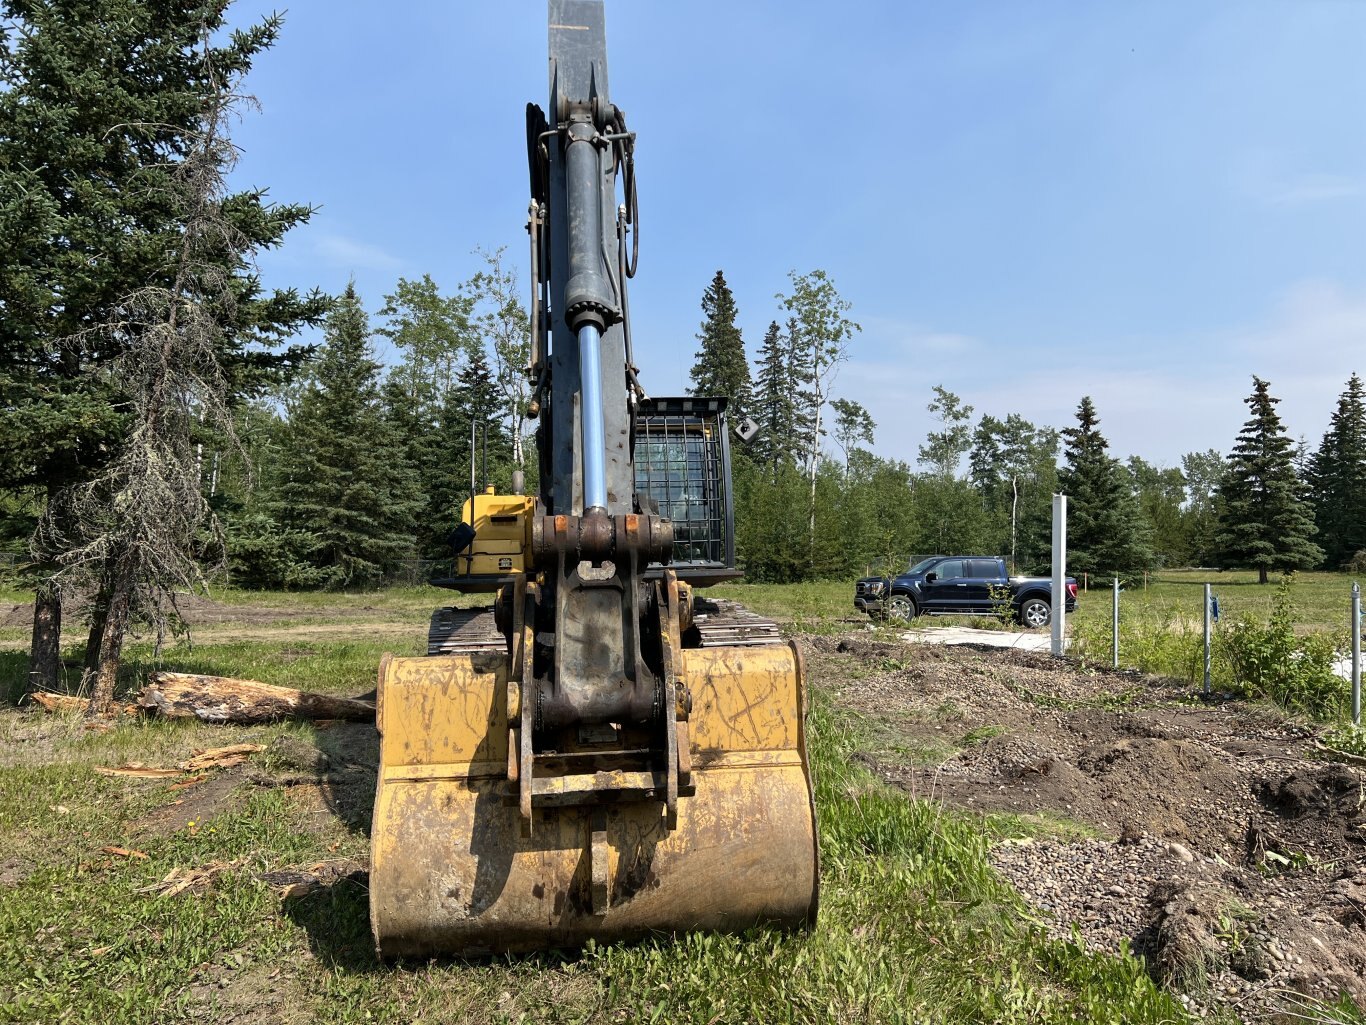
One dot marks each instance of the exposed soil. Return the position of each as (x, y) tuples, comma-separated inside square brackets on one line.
[(198, 611), (209, 620), (1225, 852)]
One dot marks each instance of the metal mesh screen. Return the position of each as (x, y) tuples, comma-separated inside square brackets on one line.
[(678, 474)]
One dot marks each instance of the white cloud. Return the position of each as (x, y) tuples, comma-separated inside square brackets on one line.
[(340, 251), (1263, 177), (1302, 189), (1156, 398)]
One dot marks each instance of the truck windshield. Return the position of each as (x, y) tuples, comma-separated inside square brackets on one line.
[(922, 565)]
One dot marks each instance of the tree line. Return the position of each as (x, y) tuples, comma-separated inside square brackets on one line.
[(161, 425), (807, 510)]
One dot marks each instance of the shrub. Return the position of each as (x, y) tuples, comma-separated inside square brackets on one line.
[(1269, 661)]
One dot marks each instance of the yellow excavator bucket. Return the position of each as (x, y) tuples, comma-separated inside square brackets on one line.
[(453, 871)]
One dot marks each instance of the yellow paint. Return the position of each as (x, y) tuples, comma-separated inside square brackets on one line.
[(447, 711), (502, 527), (451, 871)]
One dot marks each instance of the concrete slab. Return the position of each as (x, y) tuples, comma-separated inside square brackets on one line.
[(1030, 640)]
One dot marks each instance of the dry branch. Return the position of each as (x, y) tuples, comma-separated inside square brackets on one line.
[(137, 771), (220, 757), (72, 703), (224, 699)]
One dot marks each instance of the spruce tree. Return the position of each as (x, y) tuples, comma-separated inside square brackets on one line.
[(1262, 521), (721, 366), (1337, 479), (345, 478), (775, 402), (1105, 529), (474, 401), (101, 101)]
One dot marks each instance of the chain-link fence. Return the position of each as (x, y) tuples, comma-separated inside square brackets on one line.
[(1311, 668)]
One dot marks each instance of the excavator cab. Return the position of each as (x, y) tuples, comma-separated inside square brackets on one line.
[(682, 463), (600, 755)]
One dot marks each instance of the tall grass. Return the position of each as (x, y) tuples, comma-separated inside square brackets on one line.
[(915, 926), (1263, 656)]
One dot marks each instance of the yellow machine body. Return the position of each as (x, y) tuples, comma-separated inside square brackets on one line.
[(502, 526), (452, 869)]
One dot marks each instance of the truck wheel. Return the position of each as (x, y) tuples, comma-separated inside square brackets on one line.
[(1035, 612), (900, 607)]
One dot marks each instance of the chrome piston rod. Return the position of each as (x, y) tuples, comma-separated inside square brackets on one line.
[(594, 447)]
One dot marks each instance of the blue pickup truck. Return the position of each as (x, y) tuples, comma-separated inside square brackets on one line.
[(975, 585)]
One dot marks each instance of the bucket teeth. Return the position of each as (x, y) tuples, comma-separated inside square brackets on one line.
[(598, 855)]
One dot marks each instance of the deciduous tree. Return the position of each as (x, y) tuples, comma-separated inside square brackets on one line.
[(505, 329), (433, 333), (1013, 464), (944, 449), (853, 425), (1161, 492), (820, 334), (1203, 471)]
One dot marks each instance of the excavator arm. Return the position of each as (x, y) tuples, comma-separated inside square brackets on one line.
[(599, 756)]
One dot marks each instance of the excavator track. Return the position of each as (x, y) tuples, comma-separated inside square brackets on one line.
[(464, 632), (720, 622)]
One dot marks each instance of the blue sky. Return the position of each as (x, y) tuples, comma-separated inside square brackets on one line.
[(1147, 203)]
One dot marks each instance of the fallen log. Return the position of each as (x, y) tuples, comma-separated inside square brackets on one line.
[(225, 699)]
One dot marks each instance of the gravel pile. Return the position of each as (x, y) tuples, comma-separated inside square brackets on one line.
[(1097, 887)]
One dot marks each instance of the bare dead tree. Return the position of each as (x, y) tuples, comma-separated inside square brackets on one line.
[(141, 530), (505, 324)]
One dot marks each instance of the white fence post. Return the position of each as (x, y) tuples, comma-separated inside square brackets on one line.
[(1114, 624), (1059, 572), (1356, 653)]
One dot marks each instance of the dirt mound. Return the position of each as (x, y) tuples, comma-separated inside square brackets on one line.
[(1205, 937), (1325, 791), (1228, 854)]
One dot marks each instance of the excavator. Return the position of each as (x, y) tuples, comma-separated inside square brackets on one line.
[(602, 754)]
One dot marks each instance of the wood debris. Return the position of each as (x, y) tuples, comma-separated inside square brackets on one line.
[(138, 770), (75, 703), (225, 699), (180, 879), (219, 757), (124, 852)]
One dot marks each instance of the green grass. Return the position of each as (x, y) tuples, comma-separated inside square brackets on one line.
[(1040, 825), (420, 598), (1322, 598), (333, 667), (1276, 643), (914, 926)]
